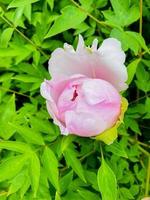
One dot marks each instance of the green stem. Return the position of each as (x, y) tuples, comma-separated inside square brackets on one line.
[(148, 178), (15, 92)]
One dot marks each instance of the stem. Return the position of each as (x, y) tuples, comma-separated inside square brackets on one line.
[(140, 23), (143, 151), (24, 37), (101, 151), (141, 143), (147, 178), (143, 97), (13, 91), (86, 155)]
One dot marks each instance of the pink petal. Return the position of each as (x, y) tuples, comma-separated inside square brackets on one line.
[(105, 63), (84, 124), (98, 91)]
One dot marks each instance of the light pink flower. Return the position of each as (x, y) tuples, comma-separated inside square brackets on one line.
[(83, 96)]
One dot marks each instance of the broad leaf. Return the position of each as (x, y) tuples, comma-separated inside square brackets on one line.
[(107, 182)]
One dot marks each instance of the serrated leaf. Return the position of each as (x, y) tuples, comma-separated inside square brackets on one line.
[(50, 164), (71, 159), (34, 172), (62, 23), (12, 166), (107, 182)]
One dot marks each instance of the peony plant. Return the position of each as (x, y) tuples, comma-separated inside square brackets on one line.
[(84, 95)]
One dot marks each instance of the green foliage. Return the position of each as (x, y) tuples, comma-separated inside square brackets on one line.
[(107, 182), (36, 162)]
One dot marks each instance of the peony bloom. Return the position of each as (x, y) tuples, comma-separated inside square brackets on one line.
[(83, 95)]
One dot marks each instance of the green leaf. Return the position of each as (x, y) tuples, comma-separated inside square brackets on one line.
[(12, 166), (65, 181), (27, 78), (29, 134), (107, 182), (66, 141), (15, 146), (25, 186), (124, 193), (17, 182), (62, 23), (9, 52), (6, 36), (50, 164), (34, 172), (51, 3), (71, 159), (123, 14), (22, 3), (57, 196), (27, 11), (139, 39), (117, 149), (131, 68), (8, 113), (88, 195)]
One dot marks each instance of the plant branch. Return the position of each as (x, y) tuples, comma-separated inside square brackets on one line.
[(15, 92), (148, 178)]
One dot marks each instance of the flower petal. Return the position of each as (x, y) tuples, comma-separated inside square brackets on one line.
[(105, 63), (113, 59), (84, 124), (111, 134)]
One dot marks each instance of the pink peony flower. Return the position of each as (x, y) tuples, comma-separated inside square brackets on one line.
[(83, 95)]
